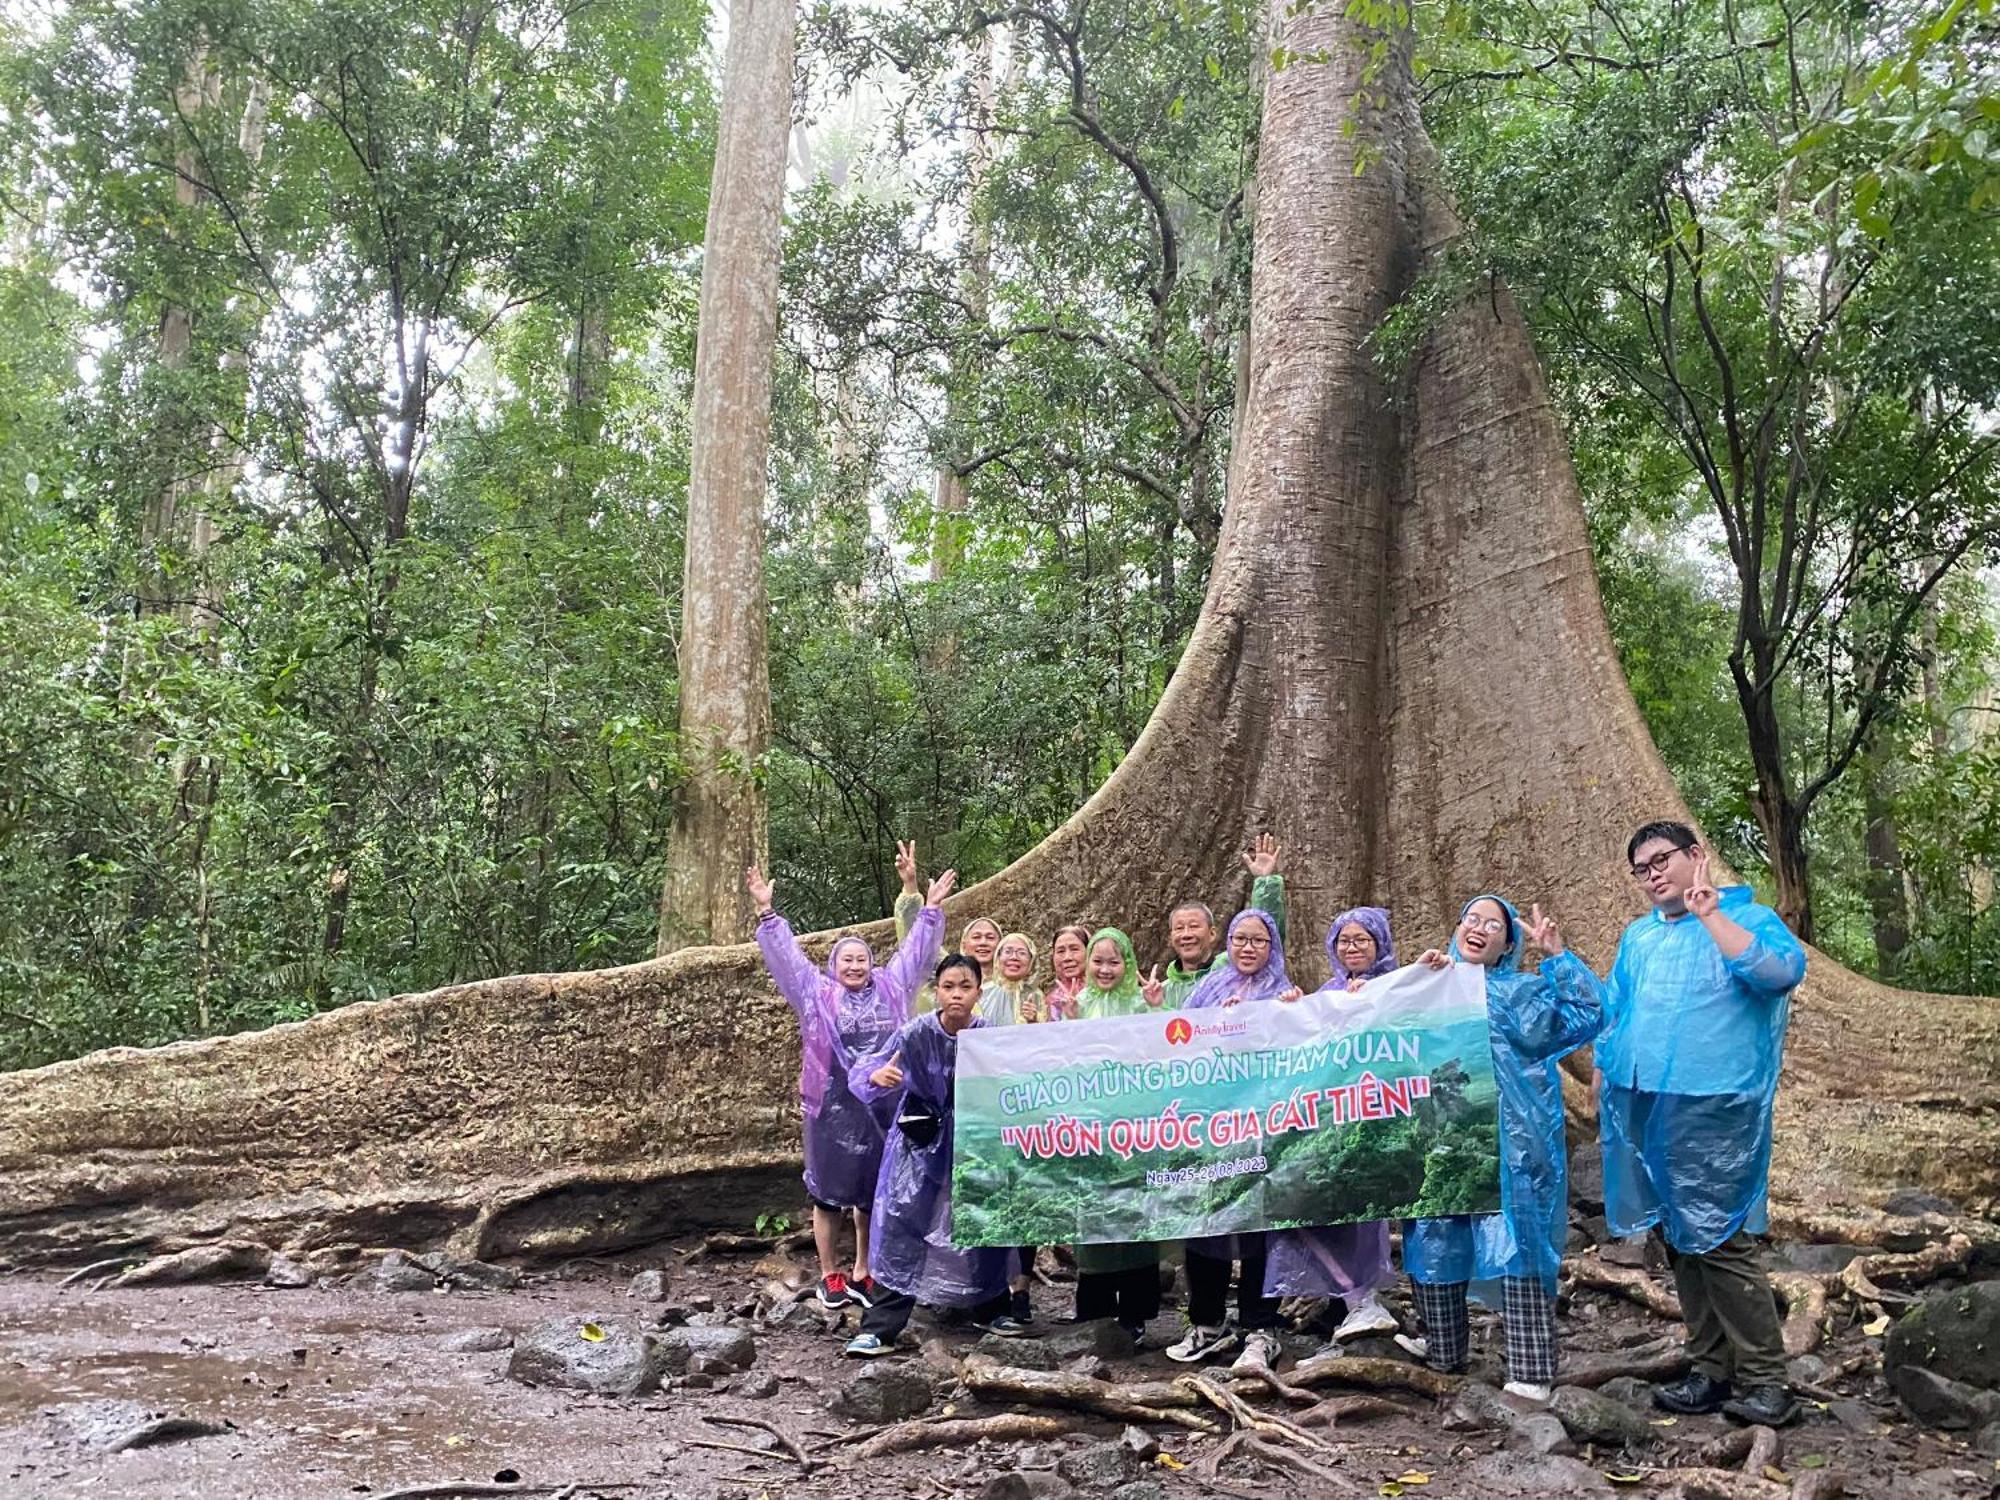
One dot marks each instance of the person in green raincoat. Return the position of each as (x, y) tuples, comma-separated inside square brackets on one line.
[(1191, 929)]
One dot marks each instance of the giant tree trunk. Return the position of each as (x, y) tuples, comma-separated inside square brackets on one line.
[(721, 819), (1402, 668)]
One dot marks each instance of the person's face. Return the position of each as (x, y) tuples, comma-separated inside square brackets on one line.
[(1192, 937), (1250, 945), (1067, 956), (851, 965), (957, 993), (1664, 871), (1356, 947), (1482, 932), (1015, 960), (980, 939), (1107, 965)]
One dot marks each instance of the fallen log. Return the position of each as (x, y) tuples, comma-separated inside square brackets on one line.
[(1874, 1229), (1007, 1427), (1661, 1360), (1143, 1401), (1629, 1282)]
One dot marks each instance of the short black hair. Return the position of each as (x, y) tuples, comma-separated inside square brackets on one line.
[(960, 961), (1676, 833)]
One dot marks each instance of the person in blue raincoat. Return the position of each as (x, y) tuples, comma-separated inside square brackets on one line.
[(914, 1258), (1697, 1005), (1535, 1019)]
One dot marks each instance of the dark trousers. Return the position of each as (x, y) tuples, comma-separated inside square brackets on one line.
[(1132, 1297), (1734, 1333), (1208, 1289), (891, 1313), (1526, 1311)]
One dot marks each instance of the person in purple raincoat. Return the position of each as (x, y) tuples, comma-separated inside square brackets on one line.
[(1255, 971), (844, 1013), (915, 1260), (1348, 1261)]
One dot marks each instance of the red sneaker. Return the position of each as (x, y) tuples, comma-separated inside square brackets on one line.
[(834, 1292)]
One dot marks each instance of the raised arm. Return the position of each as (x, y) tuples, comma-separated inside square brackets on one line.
[(1774, 961), (1267, 886), (1558, 1008), (910, 900), (921, 947)]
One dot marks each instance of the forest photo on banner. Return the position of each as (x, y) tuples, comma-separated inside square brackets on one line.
[(1338, 1108)]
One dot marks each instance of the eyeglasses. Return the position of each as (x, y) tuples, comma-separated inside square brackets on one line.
[(1246, 940), (1484, 924), (1659, 862), (1354, 942)]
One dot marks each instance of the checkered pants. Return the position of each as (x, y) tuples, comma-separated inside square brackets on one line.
[(1528, 1312)]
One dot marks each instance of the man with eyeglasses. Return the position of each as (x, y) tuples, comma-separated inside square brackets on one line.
[(1696, 1008), (1194, 937)]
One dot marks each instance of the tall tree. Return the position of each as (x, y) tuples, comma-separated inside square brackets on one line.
[(722, 821)]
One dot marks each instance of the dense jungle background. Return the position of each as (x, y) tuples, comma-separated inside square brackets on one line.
[(345, 361)]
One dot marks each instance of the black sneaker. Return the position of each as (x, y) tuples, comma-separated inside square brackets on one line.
[(1694, 1395), (1763, 1406), (863, 1293), (834, 1291), (1006, 1326), (1020, 1310)]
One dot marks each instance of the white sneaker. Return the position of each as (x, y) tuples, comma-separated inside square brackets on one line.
[(1414, 1344), (1365, 1317), (1539, 1394), (1204, 1343), (1261, 1351)]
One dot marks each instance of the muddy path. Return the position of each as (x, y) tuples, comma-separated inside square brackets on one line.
[(343, 1391)]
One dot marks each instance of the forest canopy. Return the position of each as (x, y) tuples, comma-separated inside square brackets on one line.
[(345, 365)]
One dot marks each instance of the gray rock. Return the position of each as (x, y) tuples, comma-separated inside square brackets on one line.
[(1586, 1176), (883, 1393), (1805, 1369), (473, 1275), (786, 1315), (1512, 1474), (1017, 1354), (1018, 1484), (1098, 1467), (1955, 1335), (759, 1385), (629, 1360), (1478, 1406), (1593, 1417), (1140, 1489), (711, 1350), (1914, 1200), (1141, 1444), (1631, 1390), (696, 1380), (1854, 1416), (285, 1272), (1987, 1440), (1086, 1364), (648, 1286), (1596, 1228), (1813, 1260), (1630, 1251), (1100, 1336), (701, 1302), (1542, 1433), (1942, 1401), (479, 1341), (397, 1272)]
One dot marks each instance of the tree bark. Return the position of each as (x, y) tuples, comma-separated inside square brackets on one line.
[(1887, 885), (1402, 669), (721, 820)]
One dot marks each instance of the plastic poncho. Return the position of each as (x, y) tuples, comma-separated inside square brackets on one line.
[(1535, 1019), (1225, 981), (1336, 1260), (910, 1249), (1123, 1000), (1057, 997), (1267, 893), (843, 1137), (1690, 1053), (907, 906), (1222, 984), (1004, 1003)]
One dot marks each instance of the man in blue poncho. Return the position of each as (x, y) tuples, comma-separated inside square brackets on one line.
[(1697, 1004)]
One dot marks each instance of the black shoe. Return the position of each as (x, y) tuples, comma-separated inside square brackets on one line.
[(1763, 1406), (1694, 1396), (1020, 1309)]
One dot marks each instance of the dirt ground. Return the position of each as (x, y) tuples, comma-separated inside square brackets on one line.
[(335, 1391)]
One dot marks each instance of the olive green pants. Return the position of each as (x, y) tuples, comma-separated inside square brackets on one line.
[(1734, 1333)]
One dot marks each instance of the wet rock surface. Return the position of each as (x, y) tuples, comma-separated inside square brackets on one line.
[(1942, 1357), (604, 1355), (884, 1391)]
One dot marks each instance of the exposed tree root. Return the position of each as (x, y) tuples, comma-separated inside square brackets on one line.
[(744, 1244), (1660, 1360), (1728, 1450), (114, 1264), (1247, 1417), (451, 1487), (1863, 1276), (1337, 1409), (1264, 1377), (1150, 1401), (1629, 1282), (1805, 1310), (792, 1444), (197, 1264), (1008, 1427), (1875, 1229), (1375, 1374), (165, 1430), (1767, 1451), (1819, 1484), (1716, 1484)]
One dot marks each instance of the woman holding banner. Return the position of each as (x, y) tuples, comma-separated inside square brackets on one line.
[(1348, 1261), (1255, 971), (1534, 1019)]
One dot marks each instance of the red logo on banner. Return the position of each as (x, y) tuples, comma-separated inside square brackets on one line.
[(1180, 1031)]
